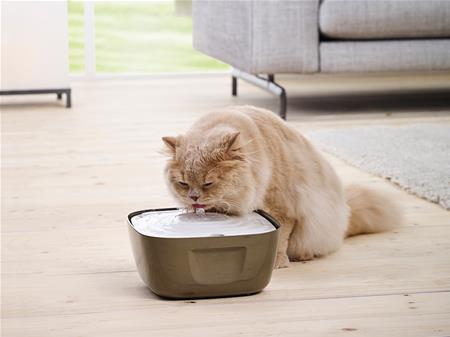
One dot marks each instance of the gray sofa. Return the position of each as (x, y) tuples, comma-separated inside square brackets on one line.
[(328, 36)]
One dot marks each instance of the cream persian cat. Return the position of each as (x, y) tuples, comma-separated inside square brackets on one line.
[(243, 158)]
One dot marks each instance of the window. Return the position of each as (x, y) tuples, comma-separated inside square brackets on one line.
[(135, 37)]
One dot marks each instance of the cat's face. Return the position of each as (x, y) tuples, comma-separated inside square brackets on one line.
[(209, 173)]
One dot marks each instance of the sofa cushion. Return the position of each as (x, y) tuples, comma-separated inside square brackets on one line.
[(381, 19), (391, 55)]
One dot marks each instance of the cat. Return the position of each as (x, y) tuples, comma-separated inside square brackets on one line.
[(239, 159)]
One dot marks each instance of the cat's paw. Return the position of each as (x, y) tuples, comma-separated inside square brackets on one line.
[(302, 258), (282, 261)]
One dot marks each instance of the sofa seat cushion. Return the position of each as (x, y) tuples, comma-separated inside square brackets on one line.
[(382, 19), (390, 55)]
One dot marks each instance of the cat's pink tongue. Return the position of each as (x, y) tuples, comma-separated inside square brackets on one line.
[(198, 205)]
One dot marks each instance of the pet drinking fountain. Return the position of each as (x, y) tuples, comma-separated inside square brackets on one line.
[(188, 255)]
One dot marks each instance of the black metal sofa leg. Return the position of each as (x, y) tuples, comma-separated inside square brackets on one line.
[(233, 86), (268, 84)]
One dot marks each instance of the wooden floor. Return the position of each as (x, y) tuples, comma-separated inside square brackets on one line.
[(70, 177)]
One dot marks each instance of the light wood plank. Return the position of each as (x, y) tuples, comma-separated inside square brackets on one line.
[(397, 315)]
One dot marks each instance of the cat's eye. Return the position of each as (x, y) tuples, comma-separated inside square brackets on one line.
[(207, 184), (183, 184)]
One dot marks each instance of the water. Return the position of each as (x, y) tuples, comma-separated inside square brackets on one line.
[(200, 211), (178, 224)]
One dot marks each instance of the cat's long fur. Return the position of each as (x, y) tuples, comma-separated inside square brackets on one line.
[(255, 160)]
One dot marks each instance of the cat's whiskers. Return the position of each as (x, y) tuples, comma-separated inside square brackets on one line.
[(250, 153), (248, 142)]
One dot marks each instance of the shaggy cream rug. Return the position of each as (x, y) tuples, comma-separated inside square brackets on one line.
[(415, 157)]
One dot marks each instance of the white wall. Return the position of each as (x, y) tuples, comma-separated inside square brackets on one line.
[(34, 45)]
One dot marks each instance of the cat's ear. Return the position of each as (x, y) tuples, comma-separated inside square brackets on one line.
[(229, 140), (171, 144)]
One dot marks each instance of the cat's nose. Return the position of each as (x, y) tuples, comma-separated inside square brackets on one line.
[(194, 198)]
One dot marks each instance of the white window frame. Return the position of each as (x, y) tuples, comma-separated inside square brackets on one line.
[(89, 39)]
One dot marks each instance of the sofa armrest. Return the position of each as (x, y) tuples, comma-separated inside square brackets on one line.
[(259, 36)]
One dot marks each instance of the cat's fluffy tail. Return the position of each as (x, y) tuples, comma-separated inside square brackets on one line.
[(371, 211)]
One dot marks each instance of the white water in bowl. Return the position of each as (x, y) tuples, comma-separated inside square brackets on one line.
[(177, 224)]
